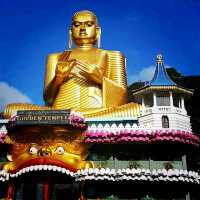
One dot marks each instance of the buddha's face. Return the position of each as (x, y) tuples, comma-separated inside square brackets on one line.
[(84, 28)]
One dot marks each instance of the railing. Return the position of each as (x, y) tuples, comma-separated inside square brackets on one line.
[(163, 109), (147, 164)]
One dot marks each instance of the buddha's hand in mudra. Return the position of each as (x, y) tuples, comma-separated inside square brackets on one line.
[(63, 69), (91, 72)]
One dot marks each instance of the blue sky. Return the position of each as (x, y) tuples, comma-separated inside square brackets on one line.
[(30, 30)]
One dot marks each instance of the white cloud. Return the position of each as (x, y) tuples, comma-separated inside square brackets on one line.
[(146, 74), (9, 94)]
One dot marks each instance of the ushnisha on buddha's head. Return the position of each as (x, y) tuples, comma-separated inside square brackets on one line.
[(84, 29)]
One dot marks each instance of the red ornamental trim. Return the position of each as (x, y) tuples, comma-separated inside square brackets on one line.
[(141, 136)]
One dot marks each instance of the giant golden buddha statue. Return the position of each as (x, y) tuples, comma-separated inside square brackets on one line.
[(85, 78)]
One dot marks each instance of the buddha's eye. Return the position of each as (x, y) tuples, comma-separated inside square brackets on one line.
[(76, 24), (60, 150), (89, 24), (33, 150)]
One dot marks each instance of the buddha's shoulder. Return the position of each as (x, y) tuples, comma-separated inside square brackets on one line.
[(109, 53), (113, 53), (56, 55)]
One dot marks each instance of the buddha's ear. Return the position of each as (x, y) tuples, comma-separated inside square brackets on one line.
[(98, 37), (70, 39)]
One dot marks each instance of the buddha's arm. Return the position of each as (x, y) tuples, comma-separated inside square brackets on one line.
[(61, 74), (115, 83), (52, 90), (116, 70), (51, 85)]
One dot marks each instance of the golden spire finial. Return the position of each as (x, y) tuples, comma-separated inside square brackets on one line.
[(159, 59)]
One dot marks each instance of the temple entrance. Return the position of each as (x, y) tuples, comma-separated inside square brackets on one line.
[(46, 186), (46, 191)]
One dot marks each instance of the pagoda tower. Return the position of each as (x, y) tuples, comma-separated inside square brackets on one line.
[(163, 101)]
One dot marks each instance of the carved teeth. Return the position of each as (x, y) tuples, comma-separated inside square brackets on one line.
[(39, 168), (45, 167), (31, 168), (50, 167), (35, 168), (112, 174), (4, 176), (59, 169), (54, 168), (23, 170)]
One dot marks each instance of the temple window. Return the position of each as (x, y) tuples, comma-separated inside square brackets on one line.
[(163, 99), (148, 100), (165, 121), (177, 100)]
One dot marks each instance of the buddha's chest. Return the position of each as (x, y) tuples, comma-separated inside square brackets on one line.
[(90, 57)]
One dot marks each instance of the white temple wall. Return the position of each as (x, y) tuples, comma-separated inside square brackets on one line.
[(176, 121)]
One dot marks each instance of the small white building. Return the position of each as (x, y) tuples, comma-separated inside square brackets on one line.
[(163, 101)]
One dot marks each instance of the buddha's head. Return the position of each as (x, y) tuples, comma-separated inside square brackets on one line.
[(85, 29)]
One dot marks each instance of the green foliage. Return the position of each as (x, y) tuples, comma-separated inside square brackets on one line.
[(173, 74), (136, 85), (148, 198), (132, 87), (193, 105)]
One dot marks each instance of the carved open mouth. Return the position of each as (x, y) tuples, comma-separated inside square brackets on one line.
[(41, 168), (43, 164)]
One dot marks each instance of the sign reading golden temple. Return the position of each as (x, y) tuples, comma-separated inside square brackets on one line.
[(42, 117)]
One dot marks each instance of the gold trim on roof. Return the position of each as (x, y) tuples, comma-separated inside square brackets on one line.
[(128, 110), (150, 88)]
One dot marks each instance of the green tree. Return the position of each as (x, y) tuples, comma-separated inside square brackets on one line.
[(174, 74)]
